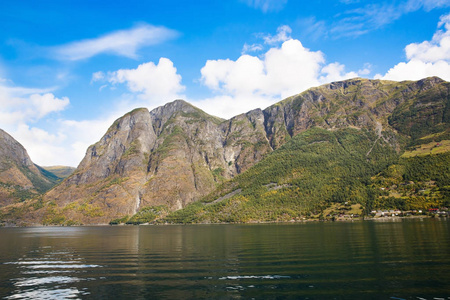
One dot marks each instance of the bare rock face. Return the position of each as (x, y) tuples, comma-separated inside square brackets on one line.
[(20, 178), (176, 153)]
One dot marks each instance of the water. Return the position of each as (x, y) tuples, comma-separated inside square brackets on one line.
[(407, 259)]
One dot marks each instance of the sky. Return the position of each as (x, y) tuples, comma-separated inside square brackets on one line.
[(68, 69)]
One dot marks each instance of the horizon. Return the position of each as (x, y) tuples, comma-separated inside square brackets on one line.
[(63, 81)]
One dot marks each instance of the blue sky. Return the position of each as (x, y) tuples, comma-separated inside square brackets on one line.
[(68, 69)]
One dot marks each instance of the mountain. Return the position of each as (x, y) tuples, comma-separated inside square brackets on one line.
[(352, 147), (20, 178), (329, 149), (170, 156), (60, 171)]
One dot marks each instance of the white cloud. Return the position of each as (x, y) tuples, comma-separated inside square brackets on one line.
[(435, 50), (67, 142), (97, 76), (20, 104), (256, 82), (251, 48), (121, 42), (429, 58), (43, 147), (81, 134), (372, 16), (416, 70), (26, 113), (336, 71), (228, 106), (281, 72), (266, 5), (313, 28), (243, 76), (152, 82), (42, 105), (283, 34), (20, 107), (413, 5)]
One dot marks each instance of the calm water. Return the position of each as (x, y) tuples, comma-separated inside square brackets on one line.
[(408, 259)]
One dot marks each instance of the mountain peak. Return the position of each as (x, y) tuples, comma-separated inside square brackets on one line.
[(173, 107), (344, 83)]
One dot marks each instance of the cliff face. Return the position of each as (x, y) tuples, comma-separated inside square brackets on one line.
[(20, 178), (176, 154)]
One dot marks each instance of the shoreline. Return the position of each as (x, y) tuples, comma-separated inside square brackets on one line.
[(376, 219)]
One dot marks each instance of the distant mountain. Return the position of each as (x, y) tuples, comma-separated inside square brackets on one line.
[(344, 146), (20, 178), (60, 171)]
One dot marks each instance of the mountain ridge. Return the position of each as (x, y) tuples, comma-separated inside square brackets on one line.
[(177, 154)]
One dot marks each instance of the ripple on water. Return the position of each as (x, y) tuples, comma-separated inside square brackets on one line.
[(43, 293), (254, 277), (49, 276)]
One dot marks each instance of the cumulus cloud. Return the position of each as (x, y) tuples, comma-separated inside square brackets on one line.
[(335, 72), (152, 82), (20, 107), (266, 5), (281, 72), (122, 42), (65, 143), (28, 114), (43, 147), (429, 58), (42, 105), (28, 105), (251, 82), (435, 50), (228, 106)]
